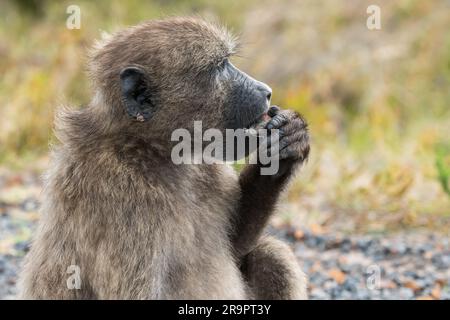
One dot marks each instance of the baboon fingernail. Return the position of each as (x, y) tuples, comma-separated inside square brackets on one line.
[(273, 111)]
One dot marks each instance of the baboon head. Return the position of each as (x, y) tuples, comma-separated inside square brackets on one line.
[(163, 75)]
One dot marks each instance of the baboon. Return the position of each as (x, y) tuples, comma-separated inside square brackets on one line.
[(134, 224)]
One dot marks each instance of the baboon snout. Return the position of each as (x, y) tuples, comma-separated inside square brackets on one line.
[(265, 90)]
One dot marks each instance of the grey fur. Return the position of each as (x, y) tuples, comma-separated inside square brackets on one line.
[(138, 226)]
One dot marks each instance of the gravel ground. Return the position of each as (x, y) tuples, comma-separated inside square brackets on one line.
[(413, 265)]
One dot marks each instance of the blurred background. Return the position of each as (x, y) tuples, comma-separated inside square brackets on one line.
[(376, 189)]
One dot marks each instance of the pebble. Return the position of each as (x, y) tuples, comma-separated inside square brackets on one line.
[(441, 261), (319, 294), (406, 293), (30, 205)]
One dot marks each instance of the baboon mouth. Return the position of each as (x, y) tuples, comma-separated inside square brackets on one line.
[(258, 121)]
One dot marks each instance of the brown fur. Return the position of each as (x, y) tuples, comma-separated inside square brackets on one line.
[(138, 226)]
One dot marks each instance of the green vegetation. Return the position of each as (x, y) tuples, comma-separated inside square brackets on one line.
[(443, 166), (377, 101)]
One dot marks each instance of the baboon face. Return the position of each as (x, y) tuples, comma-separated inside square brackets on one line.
[(245, 99), (236, 99), (177, 71)]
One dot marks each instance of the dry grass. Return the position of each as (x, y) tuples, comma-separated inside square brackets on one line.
[(377, 101)]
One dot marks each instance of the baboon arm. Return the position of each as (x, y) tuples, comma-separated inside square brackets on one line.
[(259, 195)]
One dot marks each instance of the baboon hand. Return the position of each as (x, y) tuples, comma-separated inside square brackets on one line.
[(293, 134)]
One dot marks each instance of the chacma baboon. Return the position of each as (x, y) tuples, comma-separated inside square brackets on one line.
[(129, 223)]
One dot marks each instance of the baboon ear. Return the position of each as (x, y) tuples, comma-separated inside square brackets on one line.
[(136, 93)]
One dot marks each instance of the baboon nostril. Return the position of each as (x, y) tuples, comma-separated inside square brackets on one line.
[(264, 90), (267, 91)]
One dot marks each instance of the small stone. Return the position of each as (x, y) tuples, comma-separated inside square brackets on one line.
[(406, 293), (316, 267), (321, 243), (11, 281), (365, 294), (317, 278), (337, 275), (329, 284), (410, 274), (423, 283), (346, 295), (335, 292), (398, 249), (436, 259), (424, 298), (318, 294), (346, 245), (317, 229), (436, 292), (445, 294), (299, 234), (332, 242), (350, 284), (311, 241), (413, 285), (345, 268), (30, 205), (388, 294), (22, 246), (388, 284), (363, 244)]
